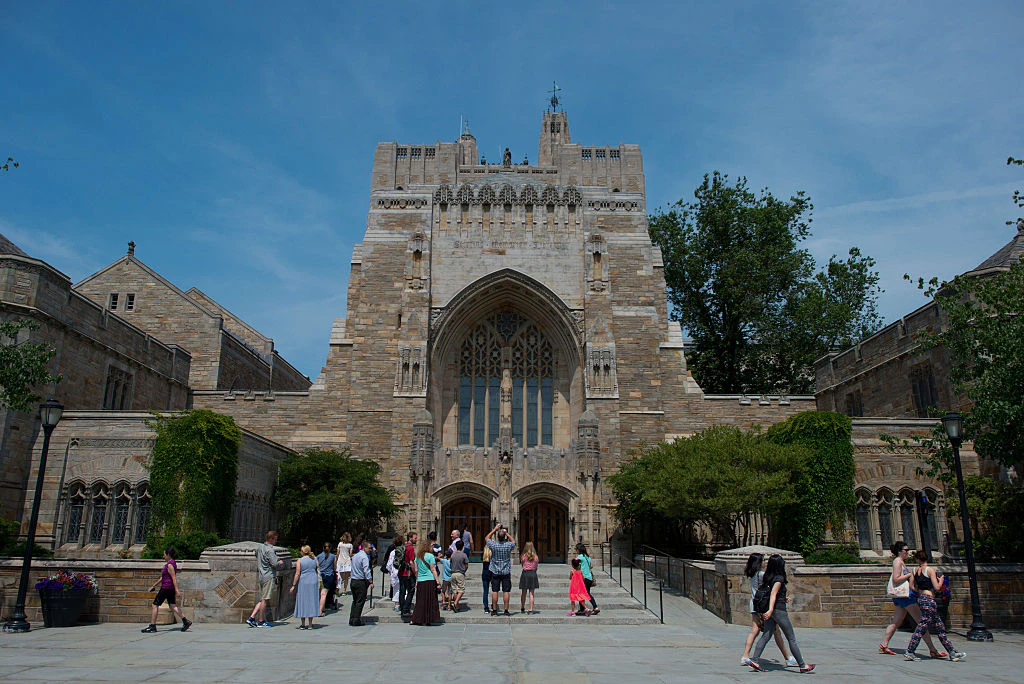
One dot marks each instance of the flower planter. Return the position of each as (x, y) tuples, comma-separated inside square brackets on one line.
[(61, 608)]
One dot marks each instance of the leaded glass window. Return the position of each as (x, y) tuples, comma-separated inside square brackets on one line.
[(99, 515), (885, 519), (506, 342), (121, 507), (76, 509), (141, 515), (863, 523)]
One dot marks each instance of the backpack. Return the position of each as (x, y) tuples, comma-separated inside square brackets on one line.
[(763, 597), (399, 562)]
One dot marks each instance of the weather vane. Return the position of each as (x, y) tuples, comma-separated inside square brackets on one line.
[(554, 96)]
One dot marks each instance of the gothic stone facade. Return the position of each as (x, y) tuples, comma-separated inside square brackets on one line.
[(506, 343), (106, 362)]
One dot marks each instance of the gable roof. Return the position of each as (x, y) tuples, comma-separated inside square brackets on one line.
[(8, 247), (1008, 255)]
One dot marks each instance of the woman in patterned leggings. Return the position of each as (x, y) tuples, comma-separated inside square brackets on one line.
[(927, 583)]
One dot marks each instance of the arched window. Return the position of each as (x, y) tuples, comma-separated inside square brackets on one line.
[(75, 512), (863, 520), (930, 526), (100, 499), (506, 344), (908, 521), (122, 504), (142, 506), (885, 517)]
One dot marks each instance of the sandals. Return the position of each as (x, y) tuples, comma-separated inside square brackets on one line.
[(938, 654), (885, 650)]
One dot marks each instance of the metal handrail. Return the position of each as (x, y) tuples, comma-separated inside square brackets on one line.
[(612, 555)]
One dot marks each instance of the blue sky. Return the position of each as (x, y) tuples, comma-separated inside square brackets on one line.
[(233, 141)]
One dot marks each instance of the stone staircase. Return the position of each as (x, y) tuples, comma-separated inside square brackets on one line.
[(551, 603)]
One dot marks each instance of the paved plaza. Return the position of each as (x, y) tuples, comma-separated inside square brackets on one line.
[(692, 645)]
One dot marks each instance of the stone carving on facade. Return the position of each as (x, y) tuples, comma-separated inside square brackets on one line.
[(411, 373), (401, 203), (600, 375), (514, 191), (597, 263), (421, 463), (519, 284), (416, 272)]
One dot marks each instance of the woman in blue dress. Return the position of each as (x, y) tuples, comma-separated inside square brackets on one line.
[(306, 587)]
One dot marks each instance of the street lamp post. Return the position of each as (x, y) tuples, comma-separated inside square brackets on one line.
[(954, 425), (50, 412)]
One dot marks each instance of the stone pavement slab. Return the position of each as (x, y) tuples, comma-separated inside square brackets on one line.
[(693, 645)]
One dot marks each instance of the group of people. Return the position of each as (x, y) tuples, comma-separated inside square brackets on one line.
[(421, 573), (919, 586)]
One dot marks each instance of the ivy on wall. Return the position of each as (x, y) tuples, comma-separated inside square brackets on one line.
[(825, 484), (193, 473)]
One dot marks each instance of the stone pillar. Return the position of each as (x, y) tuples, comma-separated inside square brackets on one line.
[(588, 460), (730, 564), (421, 467)]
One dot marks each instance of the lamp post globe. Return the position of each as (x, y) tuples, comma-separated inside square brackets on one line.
[(953, 423), (50, 412)]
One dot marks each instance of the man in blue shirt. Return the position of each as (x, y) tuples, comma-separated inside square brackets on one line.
[(361, 582), (501, 565)]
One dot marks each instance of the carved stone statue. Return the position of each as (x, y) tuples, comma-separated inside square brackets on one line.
[(506, 159)]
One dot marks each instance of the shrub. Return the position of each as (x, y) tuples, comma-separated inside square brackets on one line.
[(10, 546), (188, 545), (843, 554)]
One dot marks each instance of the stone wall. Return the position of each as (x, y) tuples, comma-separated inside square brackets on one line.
[(837, 595), (219, 588), (876, 373), (225, 350), (102, 457), (90, 342)]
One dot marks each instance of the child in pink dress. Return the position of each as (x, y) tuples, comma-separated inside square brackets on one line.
[(578, 590)]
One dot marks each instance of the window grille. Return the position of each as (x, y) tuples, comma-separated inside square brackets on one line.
[(506, 341)]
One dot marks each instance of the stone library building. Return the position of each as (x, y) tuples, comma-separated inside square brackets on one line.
[(506, 344)]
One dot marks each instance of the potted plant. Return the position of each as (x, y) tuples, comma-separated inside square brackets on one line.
[(62, 597)]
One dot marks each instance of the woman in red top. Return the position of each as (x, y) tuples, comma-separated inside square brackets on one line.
[(528, 581)]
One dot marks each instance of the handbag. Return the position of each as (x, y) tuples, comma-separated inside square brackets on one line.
[(902, 591)]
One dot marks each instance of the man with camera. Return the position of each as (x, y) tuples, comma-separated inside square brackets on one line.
[(501, 564)]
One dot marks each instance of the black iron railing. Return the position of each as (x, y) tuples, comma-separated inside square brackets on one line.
[(613, 563)]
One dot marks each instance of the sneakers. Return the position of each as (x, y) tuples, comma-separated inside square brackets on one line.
[(149, 630), (252, 622), (185, 624), (494, 613), (507, 614), (910, 656), (955, 656), (791, 662), (264, 624), (744, 662), (807, 668)]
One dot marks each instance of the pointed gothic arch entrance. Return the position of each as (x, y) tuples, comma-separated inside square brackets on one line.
[(545, 523), (471, 513)]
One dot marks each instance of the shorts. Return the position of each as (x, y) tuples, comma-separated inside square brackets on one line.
[(446, 586), (501, 583), (458, 583), (266, 591), (345, 568), (164, 595), (901, 602)]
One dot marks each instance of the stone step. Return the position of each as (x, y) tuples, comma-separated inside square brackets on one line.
[(543, 603), (479, 618)]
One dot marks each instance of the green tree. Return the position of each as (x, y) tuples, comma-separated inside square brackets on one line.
[(713, 478), (23, 366), (985, 324), (193, 474), (750, 296), (997, 527), (321, 493), (824, 486)]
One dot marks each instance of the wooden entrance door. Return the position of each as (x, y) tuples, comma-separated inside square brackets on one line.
[(471, 513), (544, 523)]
